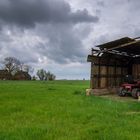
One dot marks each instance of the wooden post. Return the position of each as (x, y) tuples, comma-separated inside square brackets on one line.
[(121, 74), (107, 78), (91, 76), (137, 73), (107, 73), (91, 73), (99, 74), (115, 74)]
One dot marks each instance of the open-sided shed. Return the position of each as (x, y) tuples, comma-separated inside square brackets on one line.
[(111, 61)]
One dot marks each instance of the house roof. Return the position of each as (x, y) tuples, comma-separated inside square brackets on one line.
[(4, 72)]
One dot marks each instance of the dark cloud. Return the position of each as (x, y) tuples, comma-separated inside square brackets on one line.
[(56, 35), (30, 12), (101, 3), (64, 44)]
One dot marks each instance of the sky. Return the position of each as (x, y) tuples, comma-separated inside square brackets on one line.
[(57, 35)]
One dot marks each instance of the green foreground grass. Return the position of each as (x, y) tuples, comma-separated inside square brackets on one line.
[(60, 111)]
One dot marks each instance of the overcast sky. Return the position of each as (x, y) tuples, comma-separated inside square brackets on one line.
[(57, 35)]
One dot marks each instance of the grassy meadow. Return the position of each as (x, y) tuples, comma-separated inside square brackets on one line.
[(59, 110)]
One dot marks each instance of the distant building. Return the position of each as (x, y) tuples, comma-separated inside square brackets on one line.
[(5, 75), (21, 75)]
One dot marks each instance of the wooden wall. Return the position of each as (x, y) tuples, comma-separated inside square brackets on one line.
[(136, 71), (109, 70), (107, 76)]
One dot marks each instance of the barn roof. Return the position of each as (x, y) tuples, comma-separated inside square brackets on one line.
[(115, 43), (125, 46), (130, 46)]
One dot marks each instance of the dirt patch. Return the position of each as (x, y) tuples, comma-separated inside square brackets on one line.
[(122, 99), (132, 113)]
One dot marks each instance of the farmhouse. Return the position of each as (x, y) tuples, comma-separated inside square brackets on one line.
[(5, 75), (112, 61), (21, 75)]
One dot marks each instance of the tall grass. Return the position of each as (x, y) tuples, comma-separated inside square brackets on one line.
[(60, 110)]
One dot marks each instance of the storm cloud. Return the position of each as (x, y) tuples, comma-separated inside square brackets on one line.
[(30, 12), (46, 28)]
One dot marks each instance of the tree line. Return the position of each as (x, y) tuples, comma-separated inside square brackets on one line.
[(13, 65)]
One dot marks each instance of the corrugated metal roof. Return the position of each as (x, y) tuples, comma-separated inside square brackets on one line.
[(115, 43), (125, 45)]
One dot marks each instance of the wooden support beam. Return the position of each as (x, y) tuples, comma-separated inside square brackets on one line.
[(99, 75), (121, 74), (91, 76), (115, 77), (91, 73), (107, 79)]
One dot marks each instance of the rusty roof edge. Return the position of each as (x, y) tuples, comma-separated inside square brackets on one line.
[(128, 40), (137, 38), (124, 45)]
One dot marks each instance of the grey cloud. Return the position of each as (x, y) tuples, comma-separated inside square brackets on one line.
[(81, 16), (118, 18), (60, 43), (30, 12), (101, 3), (54, 21), (64, 44)]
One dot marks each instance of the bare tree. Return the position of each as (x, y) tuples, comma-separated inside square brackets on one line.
[(52, 77), (27, 68), (47, 76), (41, 74), (11, 64), (21, 66)]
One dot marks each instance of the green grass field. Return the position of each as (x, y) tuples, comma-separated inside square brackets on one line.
[(60, 110)]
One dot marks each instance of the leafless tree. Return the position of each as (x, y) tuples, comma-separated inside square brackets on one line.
[(47, 76), (41, 74), (27, 68), (11, 64)]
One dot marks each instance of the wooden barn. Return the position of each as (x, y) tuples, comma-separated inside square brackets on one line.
[(112, 61)]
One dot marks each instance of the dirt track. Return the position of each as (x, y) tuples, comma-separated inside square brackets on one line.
[(116, 97)]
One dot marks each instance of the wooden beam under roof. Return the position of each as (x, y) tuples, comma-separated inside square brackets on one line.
[(131, 48)]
